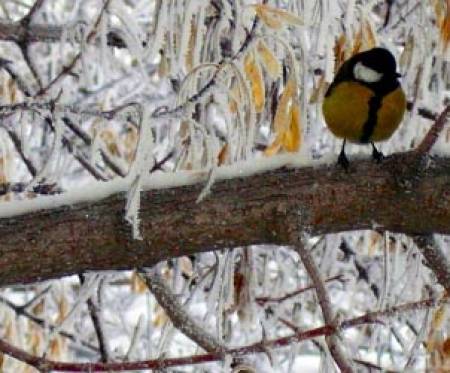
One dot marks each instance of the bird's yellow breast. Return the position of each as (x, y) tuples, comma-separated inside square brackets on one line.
[(346, 111), (389, 115)]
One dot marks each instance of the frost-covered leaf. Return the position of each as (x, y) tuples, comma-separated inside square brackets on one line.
[(223, 155), (276, 18), (254, 75), (270, 62), (287, 124), (292, 137)]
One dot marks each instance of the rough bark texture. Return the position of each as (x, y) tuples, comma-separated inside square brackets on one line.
[(267, 208)]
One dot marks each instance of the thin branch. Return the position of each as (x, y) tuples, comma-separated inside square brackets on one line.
[(68, 68), (259, 347), (40, 33), (262, 300), (24, 46), (71, 148), (26, 20), (93, 312), (436, 260), (367, 364), (178, 316), (25, 50), (433, 134), (387, 18), (19, 148), (164, 111), (43, 189), (159, 164), (21, 311), (333, 342), (87, 139)]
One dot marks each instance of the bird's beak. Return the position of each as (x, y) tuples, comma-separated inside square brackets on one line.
[(398, 75)]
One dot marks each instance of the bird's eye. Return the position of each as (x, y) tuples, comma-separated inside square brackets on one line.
[(366, 74)]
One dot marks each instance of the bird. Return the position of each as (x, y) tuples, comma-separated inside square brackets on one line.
[(365, 103)]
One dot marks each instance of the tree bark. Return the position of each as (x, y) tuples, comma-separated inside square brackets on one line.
[(399, 195)]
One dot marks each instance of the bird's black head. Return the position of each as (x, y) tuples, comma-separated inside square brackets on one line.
[(375, 68), (378, 59)]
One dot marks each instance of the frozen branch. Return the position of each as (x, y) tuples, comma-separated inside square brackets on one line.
[(178, 316), (433, 134), (20, 310), (435, 258), (38, 33), (93, 312), (333, 342), (268, 208), (259, 347)]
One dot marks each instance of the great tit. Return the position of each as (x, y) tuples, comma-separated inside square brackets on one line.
[(365, 102)]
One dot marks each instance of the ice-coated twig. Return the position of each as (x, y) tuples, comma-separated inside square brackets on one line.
[(258, 347), (93, 312), (178, 316), (333, 342), (68, 68), (434, 132), (20, 310), (435, 259)]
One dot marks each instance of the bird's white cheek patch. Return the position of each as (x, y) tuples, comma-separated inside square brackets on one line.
[(366, 74)]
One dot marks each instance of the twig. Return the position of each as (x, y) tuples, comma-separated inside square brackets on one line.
[(259, 347), (98, 175), (423, 112), (433, 134), (23, 44), (34, 33), (367, 364), (87, 139), (7, 110), (25, 21), (158, 164), (332, 340), (262, 300), (180, 318), (164, 111), (21, 311), (18, 146), (389, 4), (66, 69), (97, 325), (5, 64), (44, 189), (435, 258)]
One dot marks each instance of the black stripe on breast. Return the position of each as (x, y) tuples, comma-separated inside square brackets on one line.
[(369, 126)]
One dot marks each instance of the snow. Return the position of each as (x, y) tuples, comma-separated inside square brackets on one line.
[(101, 190)]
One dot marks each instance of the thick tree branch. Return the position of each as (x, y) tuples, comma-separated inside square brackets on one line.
[(268, 208)]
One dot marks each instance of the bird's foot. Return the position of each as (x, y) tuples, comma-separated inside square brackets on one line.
[(376, 154), (343, 161)]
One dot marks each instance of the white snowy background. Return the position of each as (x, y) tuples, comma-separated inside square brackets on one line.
[(133, 107)]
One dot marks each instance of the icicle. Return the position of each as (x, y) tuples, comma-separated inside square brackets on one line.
[(139, 169)]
